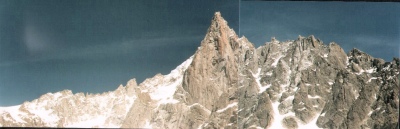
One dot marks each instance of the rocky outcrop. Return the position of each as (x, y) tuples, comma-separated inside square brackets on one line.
[(206, 96), (304, 83), (228, 83)]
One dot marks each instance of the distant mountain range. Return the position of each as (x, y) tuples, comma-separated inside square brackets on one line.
[(228, 83)]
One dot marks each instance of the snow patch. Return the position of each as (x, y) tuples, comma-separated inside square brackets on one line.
[(164, 90), (361, 71), (301, 109), (45, 115), (268, 73), (386, 68), (14, 111), (311, 125), (290, 98), (131, 100), (257, 77), (197, 104), (165, 93), (255, 126), (371, 79), (277, 117), (371, 70), (227, 107), (370, 112), (356, 95), (148, 125), (276, 61), (263, 88), (325, 55), (89, 122), (295, 88), (57, 95), (315, 97)]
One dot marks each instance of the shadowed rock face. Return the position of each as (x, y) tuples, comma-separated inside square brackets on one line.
[(228, 83)]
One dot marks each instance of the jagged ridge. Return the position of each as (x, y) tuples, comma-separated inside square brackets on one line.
[(229, 83)]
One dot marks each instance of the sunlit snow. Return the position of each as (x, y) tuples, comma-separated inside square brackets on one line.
[(325, 55), (148, 125), (310, 125), (14, 112), (371, 79), (89, 122), (163, 92), (277, 121), (257, 78), (315, 97), (323, 114), (227, 107), (276, 61)]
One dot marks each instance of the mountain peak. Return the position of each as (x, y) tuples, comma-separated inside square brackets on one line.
[(228, 83), (219, 36), (217, 15), (218, 23), (213, 63)]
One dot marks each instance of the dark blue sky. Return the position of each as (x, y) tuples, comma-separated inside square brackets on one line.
[(93, 46), (372, 27)]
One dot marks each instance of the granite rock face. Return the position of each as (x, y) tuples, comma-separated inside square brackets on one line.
[(206, 95), (228, 83)]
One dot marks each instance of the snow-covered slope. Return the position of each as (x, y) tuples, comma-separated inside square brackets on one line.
[(162, 87), (65, 109)]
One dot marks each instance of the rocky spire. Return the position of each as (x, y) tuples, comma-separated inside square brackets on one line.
[(219, 34), (213, 70), (218, 23)]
